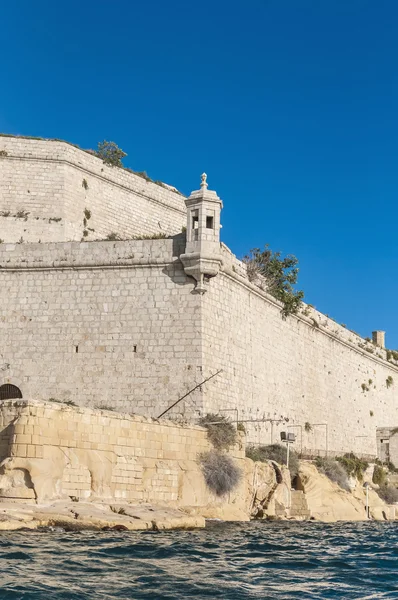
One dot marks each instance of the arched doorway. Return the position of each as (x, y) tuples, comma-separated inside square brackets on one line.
[(9, 392)]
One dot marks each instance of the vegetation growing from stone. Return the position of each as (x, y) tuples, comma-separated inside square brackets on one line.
[(141, 174), (388, 493), (21, 214), (334, 471), (221, 473), (241, 427), (280, 276), (379, 475), (392, 354), (67, 402), (151, 236), (353, 466), (113, 237), (391, 467), (110, 153), (277, 453), (220, 431)]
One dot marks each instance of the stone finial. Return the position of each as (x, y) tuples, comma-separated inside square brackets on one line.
[(378, 338), (204, 183)]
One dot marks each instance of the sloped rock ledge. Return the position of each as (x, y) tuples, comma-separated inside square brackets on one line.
[(80, 516)]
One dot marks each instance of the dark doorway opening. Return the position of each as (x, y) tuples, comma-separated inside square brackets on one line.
[(9, 392)]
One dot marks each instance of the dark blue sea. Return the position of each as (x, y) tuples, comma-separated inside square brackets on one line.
[(230, 561)]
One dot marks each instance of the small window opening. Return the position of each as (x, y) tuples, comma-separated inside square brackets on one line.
[(195, 222), (76, 349), (9, 392), (209, 223), (134, 348)]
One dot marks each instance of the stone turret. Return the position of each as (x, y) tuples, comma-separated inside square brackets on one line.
[(378, 338), (202, 257)]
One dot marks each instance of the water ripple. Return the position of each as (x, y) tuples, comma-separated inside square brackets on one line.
[(229, 561)]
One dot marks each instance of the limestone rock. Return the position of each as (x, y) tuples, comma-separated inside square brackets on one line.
[(328, 502)]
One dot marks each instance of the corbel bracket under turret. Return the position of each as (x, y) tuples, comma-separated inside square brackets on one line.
[(201, 268)]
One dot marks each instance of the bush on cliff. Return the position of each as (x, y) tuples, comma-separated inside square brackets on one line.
[(277, 453), (334, 471), (388, 493), (220, 431), (391, 467), (379, 475), (221, 473), (353, 466)]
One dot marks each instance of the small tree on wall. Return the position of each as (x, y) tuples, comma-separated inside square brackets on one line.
[(110, 153), (280, 276)]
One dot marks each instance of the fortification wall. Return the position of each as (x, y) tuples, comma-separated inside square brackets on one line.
[(119, 324), (102, 323), (308, 369), (46, 186), (100, 455)]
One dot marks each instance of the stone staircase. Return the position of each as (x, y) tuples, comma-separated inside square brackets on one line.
[(299, 506)]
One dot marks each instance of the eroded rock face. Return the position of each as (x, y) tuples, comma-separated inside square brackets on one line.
[(15, 482), (100, 455), (263, 493), (63, 453), (328, 502), (43, 477)]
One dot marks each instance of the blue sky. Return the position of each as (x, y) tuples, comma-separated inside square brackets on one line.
[(291, 107)]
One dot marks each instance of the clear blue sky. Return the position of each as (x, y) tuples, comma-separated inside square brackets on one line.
[(290, 106)]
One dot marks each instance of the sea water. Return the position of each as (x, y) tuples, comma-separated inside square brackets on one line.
[(226, 560)]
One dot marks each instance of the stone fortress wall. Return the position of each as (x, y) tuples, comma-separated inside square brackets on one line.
[(307, 368), (136, 324), (46, 186), (102, 323), (56, 451)]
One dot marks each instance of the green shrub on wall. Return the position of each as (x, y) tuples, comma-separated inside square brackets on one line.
[(110, 153), (379, 475), (280, 275), (220, 431), (353, 466), (277, 453), (388, 493)]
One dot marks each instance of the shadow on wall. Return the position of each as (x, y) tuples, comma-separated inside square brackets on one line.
[(175, 272), (5, 440), (179, 243)]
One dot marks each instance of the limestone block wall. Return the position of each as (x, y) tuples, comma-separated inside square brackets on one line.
[(307, 369), (102, 323), (7, 418), (47, 187), (119, 324), (387, 444), (100, 455)]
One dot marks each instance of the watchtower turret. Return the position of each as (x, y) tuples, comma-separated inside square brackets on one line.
[(202, 258)]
